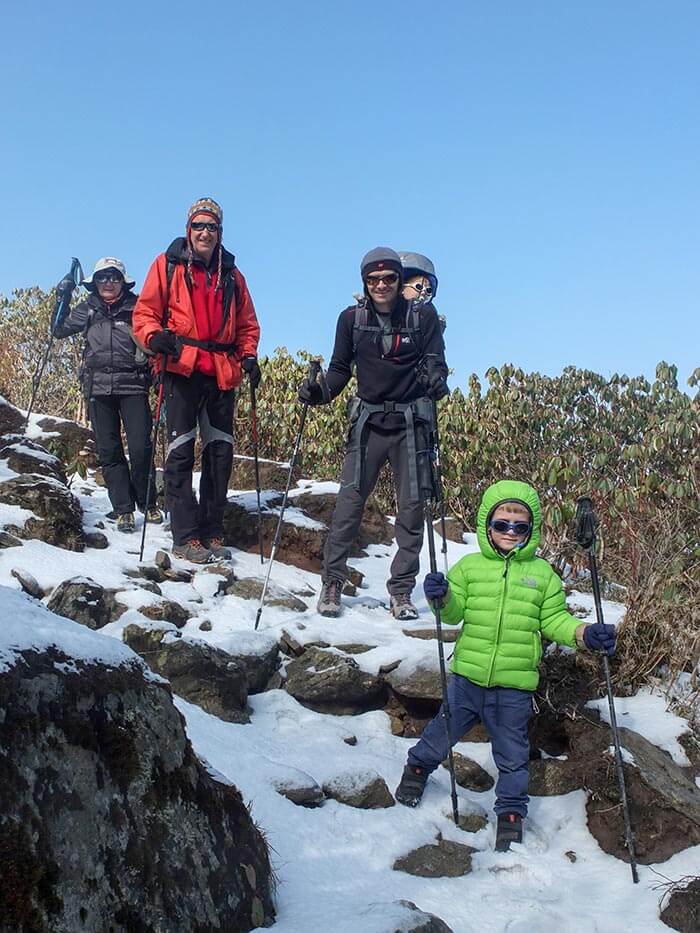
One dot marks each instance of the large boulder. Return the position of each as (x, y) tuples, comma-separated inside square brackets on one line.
[(202, 674), (106, 814), (25, 456), (331, 683), (375, 527), (11, 418), (70, 441), (400, 917), (682, 911), (57, 518), (256, 654)]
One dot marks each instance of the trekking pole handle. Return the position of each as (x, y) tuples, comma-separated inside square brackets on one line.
[(586, 523), (314, 370)]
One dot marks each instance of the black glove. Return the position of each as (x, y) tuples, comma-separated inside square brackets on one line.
[(249, 364), (311, 393), (600, 637), (164, 341), (437, 387), (65, 287)]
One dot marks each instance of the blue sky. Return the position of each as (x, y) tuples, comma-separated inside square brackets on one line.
[(544, 154)]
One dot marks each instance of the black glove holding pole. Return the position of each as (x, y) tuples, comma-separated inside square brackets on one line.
[(314, 389), (165, 341), (249, 365), (433, 377)]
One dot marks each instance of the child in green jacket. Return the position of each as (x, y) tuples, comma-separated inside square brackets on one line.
[(507, 598)]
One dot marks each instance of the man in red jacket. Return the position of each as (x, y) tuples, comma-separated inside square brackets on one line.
[(196, 313)]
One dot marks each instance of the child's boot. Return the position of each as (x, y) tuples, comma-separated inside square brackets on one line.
[(410, 790), (509, 829)]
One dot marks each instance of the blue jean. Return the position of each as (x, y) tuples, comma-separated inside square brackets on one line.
[(505, 712)]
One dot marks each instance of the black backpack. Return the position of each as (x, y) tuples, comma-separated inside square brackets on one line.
[(411, 326)]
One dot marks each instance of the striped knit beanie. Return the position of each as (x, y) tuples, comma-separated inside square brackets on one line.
[(206, 206)]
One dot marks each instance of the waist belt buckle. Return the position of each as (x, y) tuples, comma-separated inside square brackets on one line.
[(389, 408)]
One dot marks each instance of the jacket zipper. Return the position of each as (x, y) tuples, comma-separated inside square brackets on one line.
[(500, 619)]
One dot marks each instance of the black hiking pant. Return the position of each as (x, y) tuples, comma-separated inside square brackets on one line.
[(191, 401), (376, 448), (127, 481)]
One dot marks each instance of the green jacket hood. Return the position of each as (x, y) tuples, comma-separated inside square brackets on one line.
[(503, 491)]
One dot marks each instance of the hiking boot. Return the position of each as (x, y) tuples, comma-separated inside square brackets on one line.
[(126, 523), (216, 546), (509, 829), (401, 607), (410, 790), (329, 601), (193, 551), (154, 516)]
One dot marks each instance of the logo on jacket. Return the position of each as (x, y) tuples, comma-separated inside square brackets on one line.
[(405, 340), (529, 581)]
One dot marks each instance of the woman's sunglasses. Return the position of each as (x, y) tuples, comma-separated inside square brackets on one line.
[(203, 225), (102, 278)]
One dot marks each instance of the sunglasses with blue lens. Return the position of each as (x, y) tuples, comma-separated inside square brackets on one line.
[(502, 526)]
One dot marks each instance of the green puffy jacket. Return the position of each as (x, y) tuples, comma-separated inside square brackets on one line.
[(506, 602)]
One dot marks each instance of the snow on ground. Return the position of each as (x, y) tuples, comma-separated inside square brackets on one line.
[(334, 862)]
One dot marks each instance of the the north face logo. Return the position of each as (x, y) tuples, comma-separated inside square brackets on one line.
[(529, 581)]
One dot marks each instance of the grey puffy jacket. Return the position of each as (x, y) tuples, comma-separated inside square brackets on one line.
[(112, 362)]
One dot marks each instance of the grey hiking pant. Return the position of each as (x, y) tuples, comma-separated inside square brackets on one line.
[(378, 447)]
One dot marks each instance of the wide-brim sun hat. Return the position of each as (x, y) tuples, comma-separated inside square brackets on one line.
[(108, 262)]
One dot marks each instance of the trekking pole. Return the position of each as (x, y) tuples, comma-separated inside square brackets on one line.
[(154, 443), (441, 658), (437, 462), (64, 293), (586, 527), (254, 425), (314, 371)]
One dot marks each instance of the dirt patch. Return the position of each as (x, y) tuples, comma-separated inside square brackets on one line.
[(682, 912)]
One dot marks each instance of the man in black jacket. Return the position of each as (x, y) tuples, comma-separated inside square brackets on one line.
[(116, 378), (398, 351)]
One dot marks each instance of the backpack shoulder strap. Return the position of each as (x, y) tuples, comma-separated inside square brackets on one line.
[(360, 323)]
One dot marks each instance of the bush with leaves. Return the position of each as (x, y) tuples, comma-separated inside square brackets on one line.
[(24, 335)]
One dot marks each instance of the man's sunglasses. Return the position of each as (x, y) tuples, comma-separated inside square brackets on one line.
[(102, 278), (391, 278), (502, 526), (204, 225)]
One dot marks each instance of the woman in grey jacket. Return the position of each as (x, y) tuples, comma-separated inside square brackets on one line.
[(116, 379)]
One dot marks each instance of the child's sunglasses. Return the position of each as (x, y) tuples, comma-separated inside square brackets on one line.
[(502, 526)]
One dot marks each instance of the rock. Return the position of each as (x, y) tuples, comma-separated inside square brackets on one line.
[(69, 440), (682, 912), (167, 611), (365, 790), (178, 576), (200, 673), (471, 817), (469, 774), (149, 586), (8, 540), (252, 587), (354, 648), (11, 418), (162, 560), (450, 633), (257, 656), (147, 572), (96, 539), (375, 527), (82, 600), (550, 777), (99, 785), (58, 517), (289, 645), (454, 529), (28, 583), (331, 683), (674, 784), (350, 740), (205, 625), (389, 667), (300, 788), (417, 681), (226, 579), (444, 859), (401, 917), (272, 475), (300, 545), (26, 456)]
